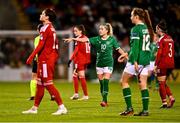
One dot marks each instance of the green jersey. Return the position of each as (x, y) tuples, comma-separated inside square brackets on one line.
[(139, 45), (104, 50), (36, 42), (154, 49)]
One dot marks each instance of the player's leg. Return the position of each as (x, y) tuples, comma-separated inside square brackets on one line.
[(38, 97), (48, 73), (81, 74), (99, 71), (76, 85), (144, 92), (161, 76), (107, 75), (168, 91), (128, 72), (33, 82)]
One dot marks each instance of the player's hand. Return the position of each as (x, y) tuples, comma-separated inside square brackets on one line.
[(29, 60), (123, 57), (67, 40), (155, 70), (69, 62)]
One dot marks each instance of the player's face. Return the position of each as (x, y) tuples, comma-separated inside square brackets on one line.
[(102, 30), (43, 16), (77, 32), (133, 18)]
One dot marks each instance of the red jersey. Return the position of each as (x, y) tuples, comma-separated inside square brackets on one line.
[(82, 52), (165, 54), (48, 37)]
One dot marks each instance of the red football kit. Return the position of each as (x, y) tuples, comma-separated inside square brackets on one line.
[(81, 55), (165, 55), (47, 51)]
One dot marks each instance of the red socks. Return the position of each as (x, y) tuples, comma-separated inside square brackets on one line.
[(168, 91), (40, 93), (76, 86), (164, 90), (84, 86), (53, 91)]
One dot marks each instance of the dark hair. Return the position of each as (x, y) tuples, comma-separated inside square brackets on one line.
[(144, 16), (39, 26), (51, 14), (162, 25), (81, 28)]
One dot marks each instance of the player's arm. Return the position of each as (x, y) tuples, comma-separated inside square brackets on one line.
[(159, 54), (135, 39), (84, 39), (38, 48)]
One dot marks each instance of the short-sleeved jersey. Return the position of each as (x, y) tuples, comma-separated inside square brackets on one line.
[(48, 36), (139, 45), (165, 54), (82, 52), (104, 50), (153, 48)]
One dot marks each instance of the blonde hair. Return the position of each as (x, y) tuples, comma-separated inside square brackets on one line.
[(108, 28)]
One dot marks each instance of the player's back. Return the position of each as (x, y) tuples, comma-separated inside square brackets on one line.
[(167, 47)]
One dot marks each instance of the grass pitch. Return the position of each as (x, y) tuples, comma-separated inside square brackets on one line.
[(13, 100)]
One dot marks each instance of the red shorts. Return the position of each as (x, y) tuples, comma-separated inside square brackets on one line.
[(45, 71), (164, 71), (80, 67)]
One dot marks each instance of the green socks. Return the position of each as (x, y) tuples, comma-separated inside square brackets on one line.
[(145, 99), (33, 88), (101, 85), (105, 89), (127, 97)]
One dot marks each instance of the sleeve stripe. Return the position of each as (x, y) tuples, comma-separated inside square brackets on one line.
[(135, 38), (118, 48)]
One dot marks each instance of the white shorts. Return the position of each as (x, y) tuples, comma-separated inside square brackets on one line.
[(151, 66), (143, 70), (101, 70)]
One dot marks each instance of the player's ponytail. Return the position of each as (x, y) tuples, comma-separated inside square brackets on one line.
[(147, 21), (109, 28)]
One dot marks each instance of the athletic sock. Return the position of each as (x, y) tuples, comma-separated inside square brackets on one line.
[(84, 86), (145, 99), (33, 87), (162, 91), (53, 91), (105, 89), (168, 91), (127, 97), (75, 81), (101, 86), (39, 95)]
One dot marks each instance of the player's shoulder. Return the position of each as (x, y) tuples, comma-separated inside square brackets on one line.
[(167, 38)]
